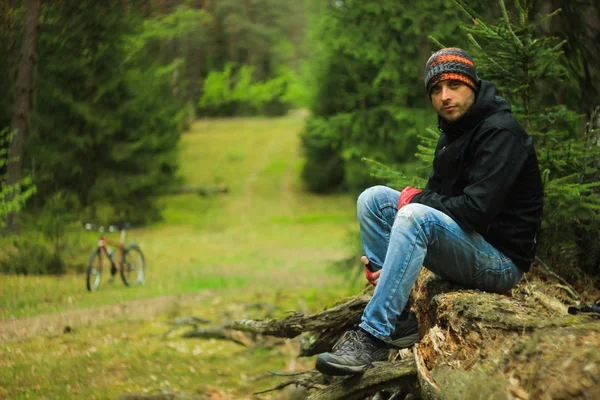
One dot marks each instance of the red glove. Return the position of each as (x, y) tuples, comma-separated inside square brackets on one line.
[(369, 275), (406, 195)]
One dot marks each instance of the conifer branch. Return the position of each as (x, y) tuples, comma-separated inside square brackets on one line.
[(508, 24), (436, 42)]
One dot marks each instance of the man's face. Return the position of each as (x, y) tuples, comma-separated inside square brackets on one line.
[(452, 99)]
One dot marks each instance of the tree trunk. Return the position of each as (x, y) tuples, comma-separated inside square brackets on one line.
[(24, 95), (481, 345)]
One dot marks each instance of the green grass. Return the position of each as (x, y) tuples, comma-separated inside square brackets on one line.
[(131, 356), (265, 221), (265, 241)]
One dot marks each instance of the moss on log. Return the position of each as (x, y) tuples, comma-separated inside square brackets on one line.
[(480, 344)]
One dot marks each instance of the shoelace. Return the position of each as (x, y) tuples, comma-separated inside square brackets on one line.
[(347, 343)]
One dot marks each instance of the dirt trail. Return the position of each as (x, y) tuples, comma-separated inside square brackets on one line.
[(15, 329)]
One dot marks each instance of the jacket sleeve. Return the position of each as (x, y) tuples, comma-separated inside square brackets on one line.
[(434, 183), (497, 162)]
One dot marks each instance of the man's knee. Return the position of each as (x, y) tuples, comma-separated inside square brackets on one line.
[(422, 215), (415, 211), (370, 198)]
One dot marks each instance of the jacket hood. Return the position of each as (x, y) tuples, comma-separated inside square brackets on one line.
[(486, 104)]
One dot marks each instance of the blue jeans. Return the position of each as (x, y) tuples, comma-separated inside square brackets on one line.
[(401, 242)]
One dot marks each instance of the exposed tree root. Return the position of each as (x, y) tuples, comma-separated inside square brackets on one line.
[(397, 374), (222, 332)]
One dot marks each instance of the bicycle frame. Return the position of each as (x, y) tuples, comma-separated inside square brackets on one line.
[(103, 244), (129, 262)]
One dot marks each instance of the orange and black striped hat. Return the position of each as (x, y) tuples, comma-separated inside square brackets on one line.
[(450, 63)]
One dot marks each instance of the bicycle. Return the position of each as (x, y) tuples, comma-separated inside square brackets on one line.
[(130, 262)]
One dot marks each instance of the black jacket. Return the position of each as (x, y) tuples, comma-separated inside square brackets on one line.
[(486, 177)]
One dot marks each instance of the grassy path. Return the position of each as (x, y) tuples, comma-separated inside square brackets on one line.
[(265, 245)]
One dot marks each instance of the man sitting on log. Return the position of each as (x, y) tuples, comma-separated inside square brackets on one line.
[(474, 224)]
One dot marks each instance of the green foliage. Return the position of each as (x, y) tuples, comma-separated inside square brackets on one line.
[(45, 248), (368, 96), (297, 234), (173, 26), (106, 122), (415, 177), (234, 91), (30, 255), (386, 134), (12, 197), (323, 170), (246, 58)]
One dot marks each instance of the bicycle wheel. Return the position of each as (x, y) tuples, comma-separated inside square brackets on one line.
[(133, 266), (94, 272)]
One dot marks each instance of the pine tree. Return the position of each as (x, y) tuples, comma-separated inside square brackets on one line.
[(106, 122)]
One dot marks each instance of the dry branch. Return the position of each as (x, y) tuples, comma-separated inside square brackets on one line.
[(343, 314), (221, 332), (314, 380)]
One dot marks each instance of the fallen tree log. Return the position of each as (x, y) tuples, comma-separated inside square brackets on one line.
[(322, 329), (474, 344), (497, 345)]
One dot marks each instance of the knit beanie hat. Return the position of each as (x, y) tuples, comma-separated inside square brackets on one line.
[(450, 63)]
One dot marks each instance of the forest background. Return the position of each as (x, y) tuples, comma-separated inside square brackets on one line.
[(97, 95)]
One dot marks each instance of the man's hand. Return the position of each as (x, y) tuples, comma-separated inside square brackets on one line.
[(372, 277)]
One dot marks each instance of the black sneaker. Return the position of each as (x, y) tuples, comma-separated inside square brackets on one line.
[(407, 332), (352, 354)]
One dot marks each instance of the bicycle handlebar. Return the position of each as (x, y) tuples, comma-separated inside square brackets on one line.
[(111, 228)]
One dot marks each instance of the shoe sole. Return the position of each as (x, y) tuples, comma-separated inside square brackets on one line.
[(406, 341), (328, 368)]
